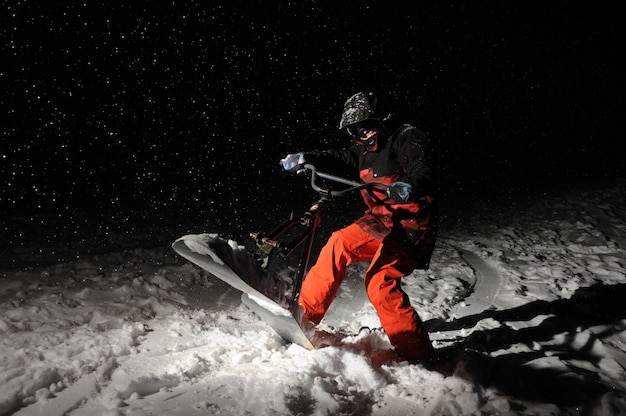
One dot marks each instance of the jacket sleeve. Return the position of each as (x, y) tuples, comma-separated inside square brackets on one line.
[(328, 158), (413, 150)]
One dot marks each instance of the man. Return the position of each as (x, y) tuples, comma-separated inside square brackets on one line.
[(397, 232)]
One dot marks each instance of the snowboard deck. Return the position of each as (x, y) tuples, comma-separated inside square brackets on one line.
[(279, 318), (263, 292)]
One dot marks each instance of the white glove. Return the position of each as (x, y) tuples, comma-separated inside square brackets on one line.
[(293, 162), (399, 192)]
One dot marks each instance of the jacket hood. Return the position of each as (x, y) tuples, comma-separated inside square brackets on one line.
[(360, 107)]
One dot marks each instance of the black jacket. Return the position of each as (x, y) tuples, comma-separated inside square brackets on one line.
[(404, 155)]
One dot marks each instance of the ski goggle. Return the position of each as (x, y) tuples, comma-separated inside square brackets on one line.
[(357, 131)]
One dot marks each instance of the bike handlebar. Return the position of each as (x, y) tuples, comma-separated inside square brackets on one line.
[(353, 185)]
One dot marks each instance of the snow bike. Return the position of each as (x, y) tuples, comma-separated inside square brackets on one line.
[(263, 290)]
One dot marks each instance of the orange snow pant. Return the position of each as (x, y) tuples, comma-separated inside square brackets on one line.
[(389, 263)]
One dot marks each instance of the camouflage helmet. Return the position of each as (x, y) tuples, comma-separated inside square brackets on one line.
[(358, 108)]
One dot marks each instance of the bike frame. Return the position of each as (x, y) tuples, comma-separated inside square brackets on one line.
[(270, 242)]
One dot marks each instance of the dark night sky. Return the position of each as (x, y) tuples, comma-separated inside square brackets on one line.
[(183, 109)]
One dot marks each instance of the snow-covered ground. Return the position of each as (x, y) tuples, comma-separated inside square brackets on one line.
[(524, 301)]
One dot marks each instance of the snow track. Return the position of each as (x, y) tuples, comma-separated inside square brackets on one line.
[(65, 401), (480, 294), (485, 290)]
